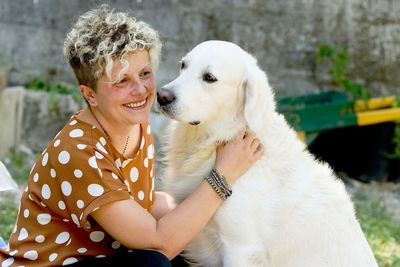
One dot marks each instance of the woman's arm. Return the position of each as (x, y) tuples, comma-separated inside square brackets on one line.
[(163, 204), (134, 227)]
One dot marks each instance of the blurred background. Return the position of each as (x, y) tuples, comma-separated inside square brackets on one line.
[(308, 48)]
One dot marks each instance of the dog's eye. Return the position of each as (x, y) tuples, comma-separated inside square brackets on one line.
[(183, 65), (208, 77)]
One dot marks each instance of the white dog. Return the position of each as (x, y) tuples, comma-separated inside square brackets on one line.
[(288, 209)]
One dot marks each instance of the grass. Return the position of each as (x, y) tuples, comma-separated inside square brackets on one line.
[(18, 167), (8, 215), (382, 232)]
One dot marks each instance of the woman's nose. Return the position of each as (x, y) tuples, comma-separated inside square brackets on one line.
[(138, 87)]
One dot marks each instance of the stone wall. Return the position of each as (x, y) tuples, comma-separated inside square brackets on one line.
[(282, 34), (29, 120), (11, 117)]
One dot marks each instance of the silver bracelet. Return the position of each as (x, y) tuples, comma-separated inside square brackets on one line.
[(219, 184), (221, 181)]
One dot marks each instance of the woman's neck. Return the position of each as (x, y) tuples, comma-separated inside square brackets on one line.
[(125, 139), (130, 143)]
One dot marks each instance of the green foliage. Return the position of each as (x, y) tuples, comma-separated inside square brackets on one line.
[(54, 88), (396, 102), (323, 51), (339, 61), (382, 232), (19, 167), (8, 216), (395, 154), (396, 136)]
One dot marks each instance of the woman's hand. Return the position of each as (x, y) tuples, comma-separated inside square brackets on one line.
[(237, 156), (179, 225)]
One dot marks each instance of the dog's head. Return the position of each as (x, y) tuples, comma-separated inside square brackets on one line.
[(221, 86)]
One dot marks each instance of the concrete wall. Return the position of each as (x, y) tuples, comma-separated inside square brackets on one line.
[(282, 34), (28, 123), (11, 117), (26, 118)]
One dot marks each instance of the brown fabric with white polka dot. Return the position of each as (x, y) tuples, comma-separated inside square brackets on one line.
[(76, 174)]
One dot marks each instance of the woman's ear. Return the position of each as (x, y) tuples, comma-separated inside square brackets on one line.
[(89, 94), (259, 100)]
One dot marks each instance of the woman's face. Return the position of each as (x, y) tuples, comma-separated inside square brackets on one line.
[(127, 98)]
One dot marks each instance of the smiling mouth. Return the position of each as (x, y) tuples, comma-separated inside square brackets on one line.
[(136, 105)]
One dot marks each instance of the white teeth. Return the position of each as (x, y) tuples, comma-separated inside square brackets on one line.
[(136, 104)]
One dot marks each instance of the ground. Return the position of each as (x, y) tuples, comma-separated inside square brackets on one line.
[(378, 210), (377, 207)]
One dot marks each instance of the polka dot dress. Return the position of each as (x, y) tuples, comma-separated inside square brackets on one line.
[(77, 173)]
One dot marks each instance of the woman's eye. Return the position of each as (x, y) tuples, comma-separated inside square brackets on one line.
[(208, 77), (121, 82), (146, 74)]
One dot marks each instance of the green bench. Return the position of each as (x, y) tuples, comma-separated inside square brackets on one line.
[(311, 114)]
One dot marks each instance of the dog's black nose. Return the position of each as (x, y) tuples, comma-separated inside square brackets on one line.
[(165, 96)]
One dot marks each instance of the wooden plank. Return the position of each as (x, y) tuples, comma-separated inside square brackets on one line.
[(374, 103), (302, 136), (378, 116)]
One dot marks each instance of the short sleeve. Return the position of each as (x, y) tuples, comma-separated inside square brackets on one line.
[(86, 176), (79, 172)]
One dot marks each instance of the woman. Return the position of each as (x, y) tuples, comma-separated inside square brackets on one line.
[(90, 198)]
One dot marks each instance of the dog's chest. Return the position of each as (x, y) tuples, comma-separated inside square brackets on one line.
[(187, 168)]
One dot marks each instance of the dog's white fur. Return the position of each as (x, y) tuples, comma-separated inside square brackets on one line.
[(288, 209)]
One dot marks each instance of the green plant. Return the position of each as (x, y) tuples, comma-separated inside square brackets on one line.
[(339, 62), (382, 231), (396, 136), (396, 101), (395, 153), (19, 168), (8, 216), (54, 88)]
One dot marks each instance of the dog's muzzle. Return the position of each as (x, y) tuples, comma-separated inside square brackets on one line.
[(166, 100), (165, 97)]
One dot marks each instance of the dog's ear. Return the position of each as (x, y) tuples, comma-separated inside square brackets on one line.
[(259, 105)]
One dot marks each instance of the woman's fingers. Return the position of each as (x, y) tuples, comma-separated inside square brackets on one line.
[(238, 155), (255, 144), (240, 136), (250, 141), (258, 153)]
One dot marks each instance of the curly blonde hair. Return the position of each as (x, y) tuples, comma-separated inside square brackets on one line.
[(101, 36)]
